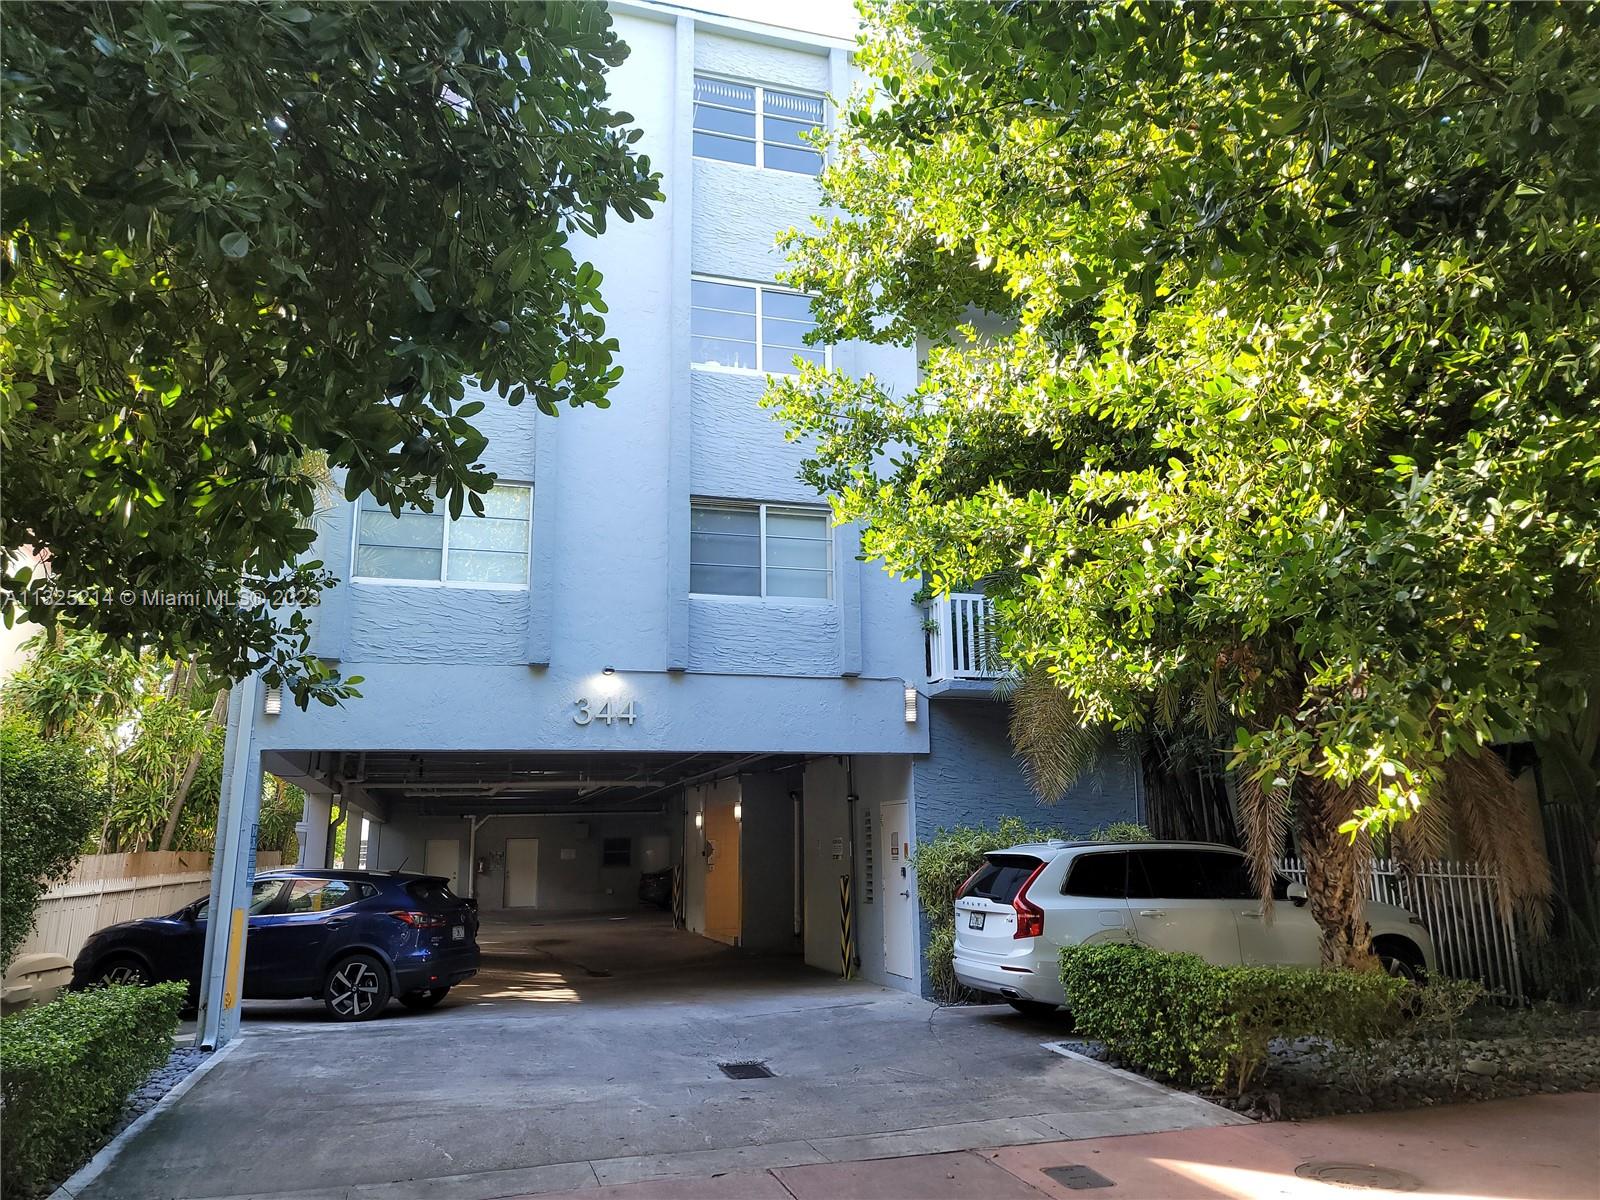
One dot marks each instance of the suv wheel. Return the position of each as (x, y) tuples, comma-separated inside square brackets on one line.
[(1400, 959), (357, 988), (123, 969), (423, 997)]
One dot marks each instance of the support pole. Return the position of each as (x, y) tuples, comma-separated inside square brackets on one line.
[(233, 868), (847, 933)]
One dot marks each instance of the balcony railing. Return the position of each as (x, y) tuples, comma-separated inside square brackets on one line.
[(961, 638)]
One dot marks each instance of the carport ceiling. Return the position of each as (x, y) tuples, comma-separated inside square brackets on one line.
[(448, 783)]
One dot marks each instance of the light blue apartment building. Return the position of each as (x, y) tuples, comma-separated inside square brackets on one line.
[(655, 651)]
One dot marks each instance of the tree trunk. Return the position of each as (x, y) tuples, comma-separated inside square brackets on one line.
[(1332, 883), (181, 793)]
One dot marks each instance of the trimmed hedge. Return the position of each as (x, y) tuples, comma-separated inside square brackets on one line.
[(1175, 1015), (66, 1070)]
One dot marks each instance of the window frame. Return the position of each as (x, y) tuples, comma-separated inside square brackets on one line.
[(761, 90), (761, 289), (444, 550), (761, 507)]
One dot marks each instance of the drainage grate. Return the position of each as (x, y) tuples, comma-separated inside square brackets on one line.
[(1358, 1175), (1077, 1177), (745, 1070)]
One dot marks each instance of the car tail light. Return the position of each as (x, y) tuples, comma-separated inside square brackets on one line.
[(420, 920), (1030, 917)]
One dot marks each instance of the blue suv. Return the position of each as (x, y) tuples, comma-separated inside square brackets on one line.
[(354, 938)]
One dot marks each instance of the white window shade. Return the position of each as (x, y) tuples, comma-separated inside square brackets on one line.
[(750, 327), (760, 550), (756, 126), (422, 547)]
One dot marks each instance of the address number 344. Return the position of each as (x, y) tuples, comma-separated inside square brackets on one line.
[(610, 711)]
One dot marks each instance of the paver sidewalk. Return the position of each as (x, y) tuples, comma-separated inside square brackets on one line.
[(1533, 1148)]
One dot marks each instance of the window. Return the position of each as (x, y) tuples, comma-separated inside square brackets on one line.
[(750, 326), (1001, 877), (760, 550), (1102, 876), (317, 895), (491, 550), (754, 125), (1189, 875), (262, 893), (432, 891), (616, 852)]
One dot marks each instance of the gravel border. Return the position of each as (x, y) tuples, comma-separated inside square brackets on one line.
[(158, 1083)]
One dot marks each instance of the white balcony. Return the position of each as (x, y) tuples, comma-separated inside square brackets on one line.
[(962, 642)]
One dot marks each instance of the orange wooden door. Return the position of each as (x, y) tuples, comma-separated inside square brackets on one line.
[(722, 873)]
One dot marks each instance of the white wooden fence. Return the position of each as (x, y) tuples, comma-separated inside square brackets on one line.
[(106, 888), (1457, 902)]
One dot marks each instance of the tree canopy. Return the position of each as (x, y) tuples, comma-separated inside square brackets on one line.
[(241, 238), (1261, 348)]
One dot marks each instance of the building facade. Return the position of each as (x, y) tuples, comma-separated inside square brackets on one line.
[(655, 651)]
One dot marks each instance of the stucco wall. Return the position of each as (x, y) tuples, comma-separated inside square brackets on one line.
[(762, 63), (565, 884), (971, 777)]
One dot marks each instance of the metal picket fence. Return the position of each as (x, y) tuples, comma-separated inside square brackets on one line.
[(1457, 904)]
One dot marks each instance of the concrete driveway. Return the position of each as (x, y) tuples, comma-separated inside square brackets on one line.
[(587, 1053)]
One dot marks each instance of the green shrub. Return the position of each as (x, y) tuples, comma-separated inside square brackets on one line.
[(66, 1070), (1177, 1016), (943, 864), (48, 809)]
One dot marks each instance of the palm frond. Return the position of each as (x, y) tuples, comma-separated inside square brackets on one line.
[(1501, 830), (1050, 737), (1423, 836), (1264, 822), (1209, 703)]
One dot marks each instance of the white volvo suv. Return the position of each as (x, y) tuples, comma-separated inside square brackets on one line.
[(1016, 911)]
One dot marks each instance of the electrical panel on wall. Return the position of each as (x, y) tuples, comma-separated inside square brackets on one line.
[(868, 874)]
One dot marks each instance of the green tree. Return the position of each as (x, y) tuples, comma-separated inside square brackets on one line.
[(150, 732), (240, 236), (50, 808), (1262, 348)]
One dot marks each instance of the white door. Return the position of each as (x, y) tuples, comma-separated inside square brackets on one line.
[(1291, 938), (1173, 898), (443, 857), (899, 958), (522, 872)]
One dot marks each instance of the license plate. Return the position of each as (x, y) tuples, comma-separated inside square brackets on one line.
[(975, 920), (458, 933)]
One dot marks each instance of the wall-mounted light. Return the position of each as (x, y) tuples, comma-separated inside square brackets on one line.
[(608, 670), (911, 705), (699, 820), (738, 810), (274, 701)]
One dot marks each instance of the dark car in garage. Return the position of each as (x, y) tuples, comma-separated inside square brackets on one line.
[(353, 938)]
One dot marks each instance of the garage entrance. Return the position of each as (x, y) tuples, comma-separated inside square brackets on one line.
[(578, 859)]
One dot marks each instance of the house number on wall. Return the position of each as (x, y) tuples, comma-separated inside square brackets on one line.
[(610, 711)]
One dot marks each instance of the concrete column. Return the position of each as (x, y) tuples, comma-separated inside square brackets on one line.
[(233, 868), (312, 829), (679, 213)]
